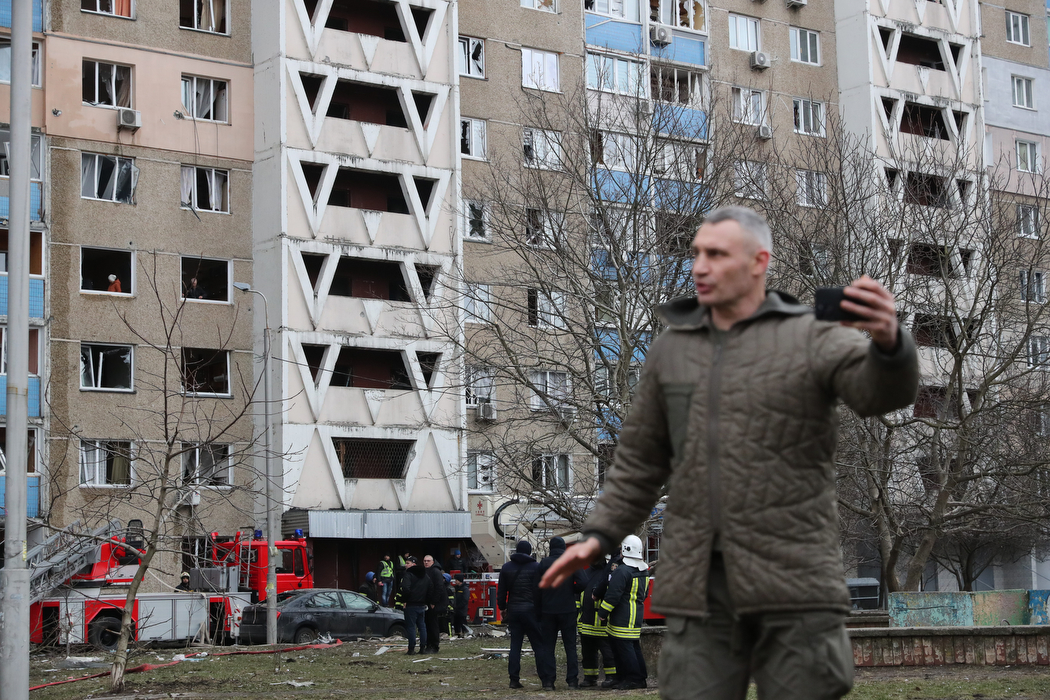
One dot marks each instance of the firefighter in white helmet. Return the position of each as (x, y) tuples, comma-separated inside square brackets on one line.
[(622, 605)]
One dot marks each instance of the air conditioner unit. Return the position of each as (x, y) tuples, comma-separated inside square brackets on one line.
[(486, 411), (765, 132), (130, 119), (760, 60), (796, 3), (660, 34)]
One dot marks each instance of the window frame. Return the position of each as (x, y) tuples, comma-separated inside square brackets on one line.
[(1023, 28), (812, 45), (547, 224), (740, 185), (183, 259), (472, 125), (1027, 92), (186, 390), (533, 80), (114, 67), (96, 446), (193, 204), (36, 156), (194, 480), (551, 158), (477, 377), (694, 80), (475, 469), (467, 219), (1037, 352), (805, 187), (542, 378), (191, 109), (37, 72), (1028, 221), (532, 5), (803, 106), (463, 60), (615, 150), (609, 73), (670, 15), (550, 309), (744, 105), (130, 15), (1032, 161), (1033, 286), (133, 174), (610, 12), (735, 21), (560, 460), (130, 292), (478, 298), (130, 389), (207, 31)]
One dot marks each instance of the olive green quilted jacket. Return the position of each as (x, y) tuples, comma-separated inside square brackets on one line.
[(741, 426)]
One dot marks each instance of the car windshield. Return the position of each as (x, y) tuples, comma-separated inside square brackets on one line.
[(283, 598)]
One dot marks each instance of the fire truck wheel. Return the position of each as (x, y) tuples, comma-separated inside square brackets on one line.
[(305, 635), (104, 632), (396, 630)]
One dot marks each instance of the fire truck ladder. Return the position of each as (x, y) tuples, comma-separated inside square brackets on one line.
[(58, 558)]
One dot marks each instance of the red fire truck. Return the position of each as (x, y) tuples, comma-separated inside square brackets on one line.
[(79, 581)]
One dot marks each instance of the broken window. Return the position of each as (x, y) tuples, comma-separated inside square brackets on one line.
[(543, 229), (5, 62), (480, 469), (106, 367), (118, 8), (923, 121), (110, 178), (36, 252), (362, 189), (105, 463), (205, 189), (931, 402), (30, 450), (925, 190), (363, 17), (369, 279), (105, 270), (675, 85), (362, 102), (202, 15), (206, 371), (929, 260), (920, 51), (205, 98), (364, 368), (627, 9), (809, 116), (471, 57), (472, 137), (34, 350), (541, 149), (36, 158), (205, 279), (546, 308), (206, 465), (933, 331), (106, 84), (479, 387), (474, 220), (545, 5), (1028, 220), (363, 458)]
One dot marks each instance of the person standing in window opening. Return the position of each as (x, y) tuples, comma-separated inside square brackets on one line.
[(114, 284), (736, 416), (193, 291)]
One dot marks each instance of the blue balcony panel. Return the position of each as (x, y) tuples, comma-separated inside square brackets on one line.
[(614, 34), (36, 297), (32, 496), (38, 14), (680, 196), (617, 185), (683, 50), (679, 121), (34, 396), (35, 209)]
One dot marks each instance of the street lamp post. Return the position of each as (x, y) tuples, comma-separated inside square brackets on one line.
[(271, 499)]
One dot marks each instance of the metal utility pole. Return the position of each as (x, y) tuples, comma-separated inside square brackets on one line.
[(271, 487), (14, 578)]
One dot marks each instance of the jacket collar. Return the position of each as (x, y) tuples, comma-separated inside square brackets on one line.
[(687, 314)]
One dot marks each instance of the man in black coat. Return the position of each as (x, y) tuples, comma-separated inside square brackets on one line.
[(517, 596), (558, 614), (436, 605), (415, 590), (462, 605)]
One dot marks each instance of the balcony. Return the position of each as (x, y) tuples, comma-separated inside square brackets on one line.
[(32, 496), (35, 208), (36, 297)]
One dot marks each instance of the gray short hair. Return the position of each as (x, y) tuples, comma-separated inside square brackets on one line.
[(749, 220)]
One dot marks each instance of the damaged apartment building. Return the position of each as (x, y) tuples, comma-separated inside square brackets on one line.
[(355, 247)]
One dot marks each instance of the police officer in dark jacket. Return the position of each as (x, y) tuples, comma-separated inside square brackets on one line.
[(517, 595), (415, 590), (594, 637), (558, 614), (437, 604)]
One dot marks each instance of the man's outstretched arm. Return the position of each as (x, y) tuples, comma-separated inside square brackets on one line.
[(577, 556)]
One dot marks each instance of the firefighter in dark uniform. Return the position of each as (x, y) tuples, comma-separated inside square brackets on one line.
[(593, 635), (623, 607)]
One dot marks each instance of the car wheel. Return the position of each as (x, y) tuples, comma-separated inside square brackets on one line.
[(104, 632), (396, 630), (305, 635)]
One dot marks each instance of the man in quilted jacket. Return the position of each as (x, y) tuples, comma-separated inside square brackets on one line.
[(736, 418)]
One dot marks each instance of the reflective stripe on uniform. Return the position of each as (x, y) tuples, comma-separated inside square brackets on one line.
[(606, 605), (625, 632)]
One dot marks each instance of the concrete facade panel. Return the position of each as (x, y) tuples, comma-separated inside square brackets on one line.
[(1000, 110)]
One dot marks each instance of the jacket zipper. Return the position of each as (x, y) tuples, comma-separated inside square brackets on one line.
[(714, 477)]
